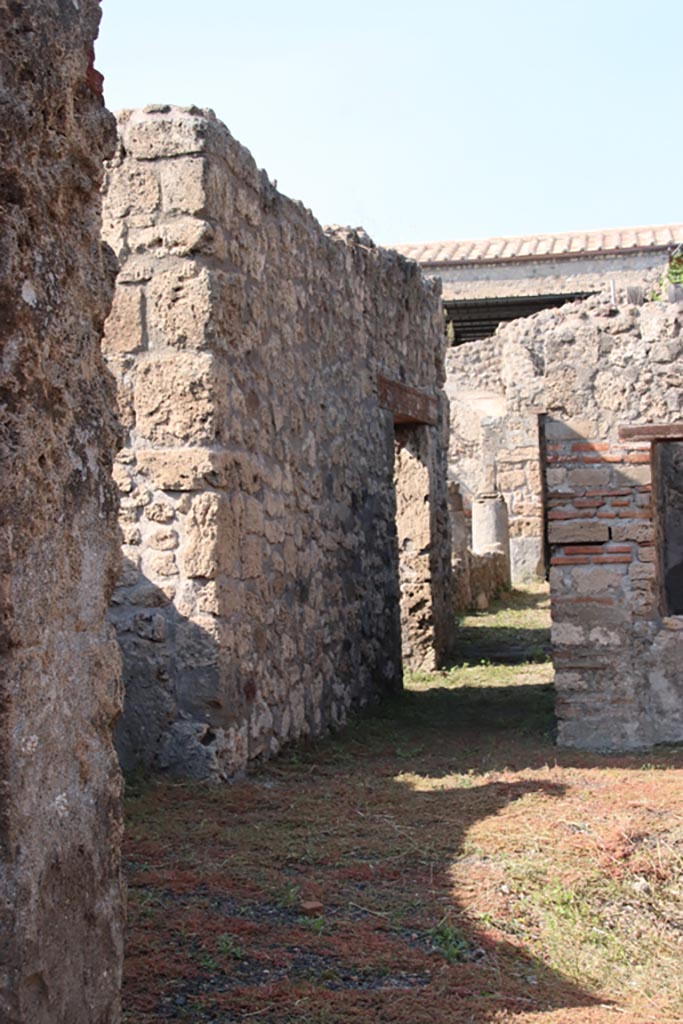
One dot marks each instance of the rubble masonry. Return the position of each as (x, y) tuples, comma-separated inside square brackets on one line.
[(260, 596)]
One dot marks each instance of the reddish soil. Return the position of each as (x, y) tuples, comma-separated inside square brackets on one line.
[(439, 863)]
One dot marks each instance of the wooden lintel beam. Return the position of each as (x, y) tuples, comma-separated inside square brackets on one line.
[(652, 432), (408, 404)]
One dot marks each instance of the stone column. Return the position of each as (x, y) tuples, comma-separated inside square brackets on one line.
[(460, 561), (490, 533)]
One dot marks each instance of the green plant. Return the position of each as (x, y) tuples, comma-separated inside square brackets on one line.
[(229, 945), (449, 941), (207, 962), (314, 924), (288, 895)]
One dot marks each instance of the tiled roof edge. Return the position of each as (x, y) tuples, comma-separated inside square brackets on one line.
[(525, 248)]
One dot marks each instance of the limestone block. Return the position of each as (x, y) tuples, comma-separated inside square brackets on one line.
[(210, 599), (179, 308), (641, 475), (639, 531), (556, 478), (134, 500), (183, 185), (200, 551), (160, 512), (160, 563), (274, 504), (130, 533), (122, 478), (151, 134), (510, 479), (252, 557), (163, 539), (574, 429), (577, 531), (253, 516), (643, 571), (135, 189), (595, 476), (124, 330), (176, 399), (274, 531), (600, 579), (212, 537), (527, 557), (180, 236), (181, 469), (125, 403)]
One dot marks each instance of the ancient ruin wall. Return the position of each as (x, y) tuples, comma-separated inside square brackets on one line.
[(259, 600), (617, 646), (60, 895), (495, 387)]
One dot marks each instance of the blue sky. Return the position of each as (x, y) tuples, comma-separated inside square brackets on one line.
[(428, 121)]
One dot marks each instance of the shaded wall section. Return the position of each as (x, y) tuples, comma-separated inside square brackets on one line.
[(60, 892), (260, 596)]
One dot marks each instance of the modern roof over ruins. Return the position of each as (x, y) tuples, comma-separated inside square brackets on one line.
[(554, 246), (489, 281)]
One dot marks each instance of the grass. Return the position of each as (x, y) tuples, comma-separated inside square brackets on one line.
[(469, 871)]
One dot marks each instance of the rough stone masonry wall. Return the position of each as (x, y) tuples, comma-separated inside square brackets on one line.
[(617, 652), (259, 601), (60, 891), (495, 387)]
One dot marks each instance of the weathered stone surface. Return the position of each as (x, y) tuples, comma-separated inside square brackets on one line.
[(591, 370), (578, 531), (249, 373), (607, 593), (496, 390), (60, 821), (178, 400)]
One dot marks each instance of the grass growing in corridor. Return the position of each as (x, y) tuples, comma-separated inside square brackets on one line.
[(439, 861)]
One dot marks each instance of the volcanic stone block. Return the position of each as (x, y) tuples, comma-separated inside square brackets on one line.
[(61, 901)]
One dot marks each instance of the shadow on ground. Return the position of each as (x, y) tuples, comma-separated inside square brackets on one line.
[(346, 882), (515, 630), (219, 879)]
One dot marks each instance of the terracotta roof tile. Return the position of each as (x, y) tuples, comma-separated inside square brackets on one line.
[(529, 246)]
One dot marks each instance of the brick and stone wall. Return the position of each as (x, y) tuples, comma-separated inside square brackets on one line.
[(260, 595), (60, 890), (595, 374), (617, 647)]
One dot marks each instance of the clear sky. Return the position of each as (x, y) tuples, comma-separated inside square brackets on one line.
[(433, 120)]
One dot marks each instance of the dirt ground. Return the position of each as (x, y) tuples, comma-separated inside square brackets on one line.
[(440, 862)]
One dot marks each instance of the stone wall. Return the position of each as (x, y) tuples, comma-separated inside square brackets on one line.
[(60, 890), (260, 596), (617, 646), (590, 371), (496, 391)]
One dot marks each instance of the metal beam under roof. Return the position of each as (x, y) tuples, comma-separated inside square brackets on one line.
[(475, 319)]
